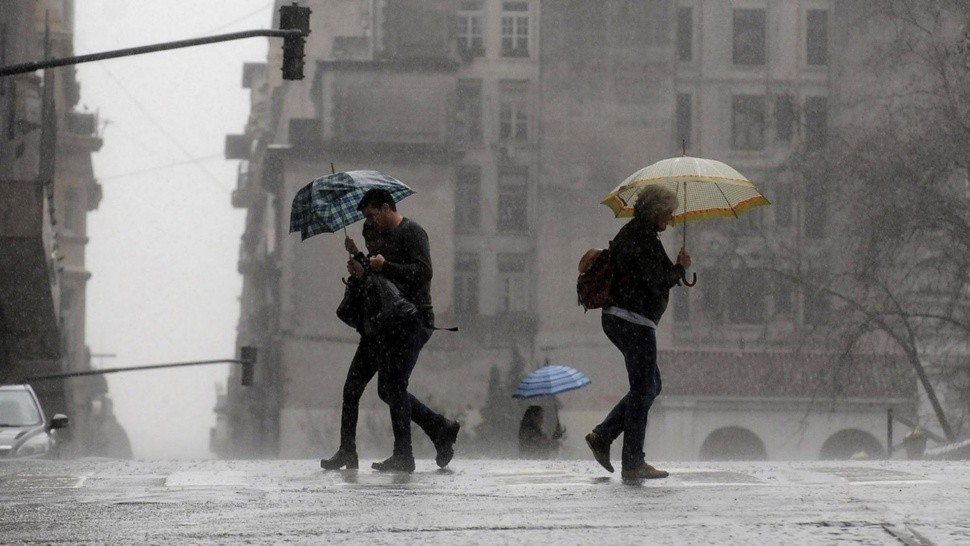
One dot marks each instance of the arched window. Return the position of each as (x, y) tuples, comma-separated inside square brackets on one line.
[(733, 444), (850, 442)]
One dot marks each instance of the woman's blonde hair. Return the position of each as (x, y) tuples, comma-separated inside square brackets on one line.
[(653, 199)]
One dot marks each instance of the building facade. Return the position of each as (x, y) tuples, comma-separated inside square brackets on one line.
[(48, 189), (512, 119)]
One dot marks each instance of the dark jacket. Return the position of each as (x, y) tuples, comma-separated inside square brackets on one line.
[(642, 272), (534, 444), (373, 302), (407, 252)]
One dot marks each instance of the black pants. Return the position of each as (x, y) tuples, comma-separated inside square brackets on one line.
[(639, 347), (363, 368), (402, 343)]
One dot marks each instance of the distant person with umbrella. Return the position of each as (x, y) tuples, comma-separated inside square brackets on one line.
[(643, 275), (533, 442), (406, 261), (548, 381)]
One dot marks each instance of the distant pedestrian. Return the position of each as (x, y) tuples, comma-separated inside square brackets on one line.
[(405, 261), (533, 442), (642, 277)]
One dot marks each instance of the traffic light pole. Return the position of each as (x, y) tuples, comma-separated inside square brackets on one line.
[(247, 360), (32, 66)]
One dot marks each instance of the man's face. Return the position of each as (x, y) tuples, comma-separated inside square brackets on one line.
[(377, 217)]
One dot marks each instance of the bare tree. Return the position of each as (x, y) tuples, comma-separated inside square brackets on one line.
[(894, 175)]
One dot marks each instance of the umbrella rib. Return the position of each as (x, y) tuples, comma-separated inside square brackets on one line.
[(726, 200)]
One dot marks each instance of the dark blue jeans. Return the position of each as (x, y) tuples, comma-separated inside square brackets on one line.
[(639, 347), (402, 343)]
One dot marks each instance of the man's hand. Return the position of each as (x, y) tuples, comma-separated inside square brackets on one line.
[(355, 268), (683, 258), (377, 263), (350, 245)]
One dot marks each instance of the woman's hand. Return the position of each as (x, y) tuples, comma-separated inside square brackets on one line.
[(355, 268), (351, 246), (683, 258)]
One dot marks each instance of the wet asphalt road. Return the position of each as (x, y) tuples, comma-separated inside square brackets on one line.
[(483, 502)]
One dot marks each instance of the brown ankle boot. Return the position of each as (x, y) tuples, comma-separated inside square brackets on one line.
[(644, 472)]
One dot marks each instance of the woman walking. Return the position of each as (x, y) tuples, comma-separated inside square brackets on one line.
[(642, 277)]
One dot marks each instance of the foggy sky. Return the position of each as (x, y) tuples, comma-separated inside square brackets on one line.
[(164, 242)]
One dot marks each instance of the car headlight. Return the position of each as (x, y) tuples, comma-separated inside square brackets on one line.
[(38, 444)]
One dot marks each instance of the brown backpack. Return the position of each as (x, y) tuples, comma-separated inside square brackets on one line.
[(595, 277)]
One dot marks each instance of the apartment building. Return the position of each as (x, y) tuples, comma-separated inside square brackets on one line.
[(512, 119), (48, 188)]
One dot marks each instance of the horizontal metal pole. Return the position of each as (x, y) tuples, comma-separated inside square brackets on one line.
[(24, 68), (133, 368)]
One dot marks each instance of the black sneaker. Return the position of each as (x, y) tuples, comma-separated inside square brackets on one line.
[(600, 449), (396, 463), (445, 445), (340, 459)]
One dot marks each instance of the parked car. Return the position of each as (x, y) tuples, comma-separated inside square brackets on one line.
[(25, 431)]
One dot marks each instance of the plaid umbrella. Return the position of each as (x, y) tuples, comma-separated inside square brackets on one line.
[(551, 380), (329, 203)]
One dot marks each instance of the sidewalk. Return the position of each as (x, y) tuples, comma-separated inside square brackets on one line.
[(485, 502)]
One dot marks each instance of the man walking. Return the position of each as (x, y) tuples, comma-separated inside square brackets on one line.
[(406, 261)]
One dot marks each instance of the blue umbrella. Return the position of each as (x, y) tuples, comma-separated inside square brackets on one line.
[(549, 381), (329, 203)]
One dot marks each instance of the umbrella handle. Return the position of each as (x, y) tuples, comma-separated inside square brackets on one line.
[(691, 282)]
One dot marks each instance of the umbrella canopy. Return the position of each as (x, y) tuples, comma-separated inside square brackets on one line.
[(551, 380), (329, 203), (705, 188)]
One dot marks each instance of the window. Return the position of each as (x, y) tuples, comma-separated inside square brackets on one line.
[(72, 210), (711, 292), (468, 204), (471, 21), (514, 110), (784, 117), (515, 29), (684, 119), (513, 272), (817, 37), (783, 297), (815, 211), (681, 306), (466, 283), (747, 297), (468, 112), (817, 305), (748, 122), (782, 205), (816, 122), (513, 200), (685, 34), (749, 37)]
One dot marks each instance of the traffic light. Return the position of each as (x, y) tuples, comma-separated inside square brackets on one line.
[(248, 356), (294, 17)]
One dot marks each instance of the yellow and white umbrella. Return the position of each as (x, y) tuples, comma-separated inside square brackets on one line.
[(705, 188)]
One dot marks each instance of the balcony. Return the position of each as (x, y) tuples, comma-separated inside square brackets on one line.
[(246, 193), (388, 108)]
